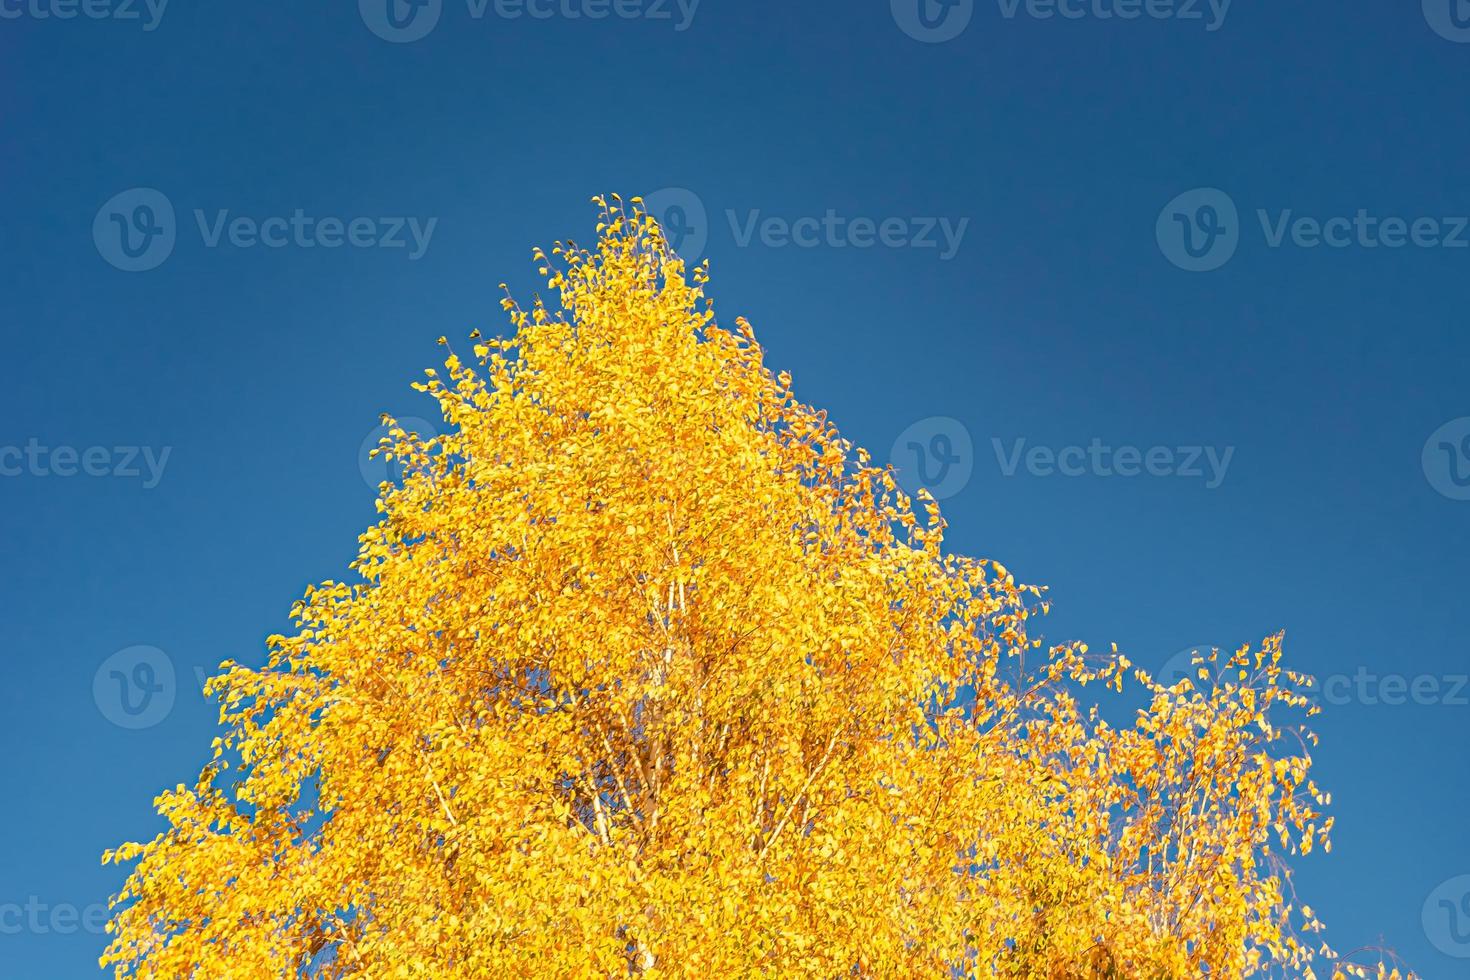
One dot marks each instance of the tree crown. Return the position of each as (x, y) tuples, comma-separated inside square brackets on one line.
[(644, 668)]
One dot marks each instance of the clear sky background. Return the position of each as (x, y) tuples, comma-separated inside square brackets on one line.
[(1071, 308)]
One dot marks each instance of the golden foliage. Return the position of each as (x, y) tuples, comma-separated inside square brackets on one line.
[(649, 671)]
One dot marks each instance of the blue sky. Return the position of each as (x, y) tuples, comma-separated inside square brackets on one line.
[(1172, 304)]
